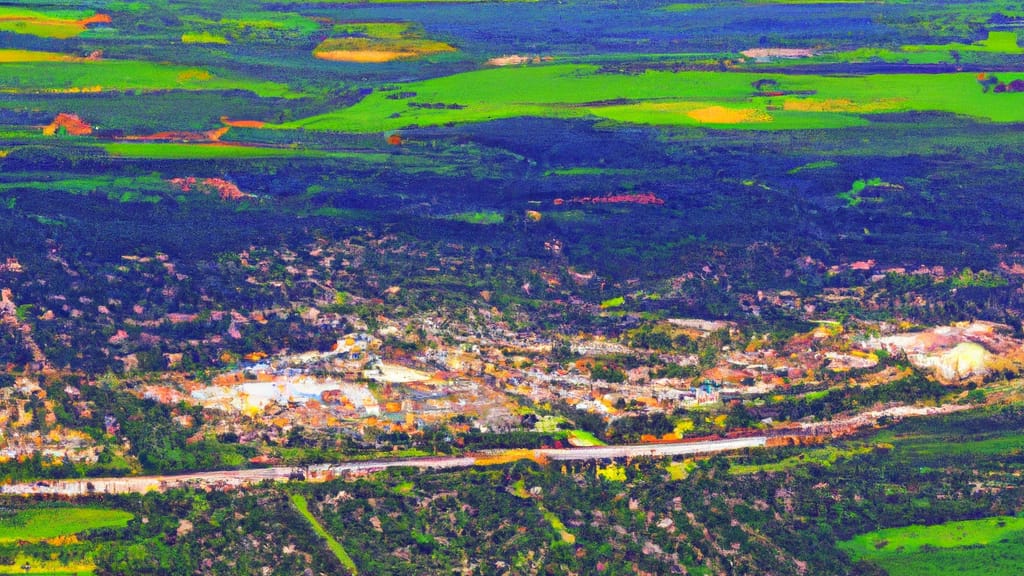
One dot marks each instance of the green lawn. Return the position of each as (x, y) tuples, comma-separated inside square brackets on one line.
[(303, 507), (38, 524), (987, 547)]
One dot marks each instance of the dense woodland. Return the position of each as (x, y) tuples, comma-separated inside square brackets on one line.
[(784, 233)]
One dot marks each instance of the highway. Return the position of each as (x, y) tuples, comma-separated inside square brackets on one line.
[(230, 479), (656, 450)]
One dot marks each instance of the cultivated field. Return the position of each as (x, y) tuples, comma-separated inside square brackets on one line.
[(991, 546)]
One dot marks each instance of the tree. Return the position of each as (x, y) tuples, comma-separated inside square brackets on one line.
[(152, 360), (763, 83)]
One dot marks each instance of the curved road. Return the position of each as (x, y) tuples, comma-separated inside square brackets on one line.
[(223, 479)]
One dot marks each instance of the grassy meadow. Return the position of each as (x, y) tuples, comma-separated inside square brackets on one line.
[(826, 457), (36, 524), (29, 71), (694, 98), (58, 24), (990, 546)]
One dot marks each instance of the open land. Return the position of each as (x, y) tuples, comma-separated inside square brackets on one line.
[(511, 287)]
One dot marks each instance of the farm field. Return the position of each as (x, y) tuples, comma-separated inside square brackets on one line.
[(48, 523), (29, 71), (821, 456), (224, 150), (548, 242), (719, 99), (51, 24), (46, 567), (973, 547), (980, 444), (377, 42)]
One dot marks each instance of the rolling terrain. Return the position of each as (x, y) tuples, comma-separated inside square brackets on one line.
[(511, 287)]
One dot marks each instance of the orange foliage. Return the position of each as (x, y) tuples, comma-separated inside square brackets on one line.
[(643, 198), (96, 19), (226, 190), (70, 123), (242, 123)]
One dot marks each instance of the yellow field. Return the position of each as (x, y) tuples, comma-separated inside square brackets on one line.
[(14, 56), (362, 50), (845, 105), (363, 56), (377, 42), (723, 115), (46, 566), (21, 21)]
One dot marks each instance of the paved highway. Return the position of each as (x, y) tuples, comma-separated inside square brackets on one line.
[(224, 479)]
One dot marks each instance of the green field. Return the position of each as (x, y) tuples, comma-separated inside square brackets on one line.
[(822, 456), (303, 507), (984, 51), (591, 171), (396, 1), (616, 302), (43, 523), (143, 189), (375, 42), (58, 24), (30, 71), (716, 99), (47, 567), (557, 525), (991, 547), (251, 26), (997, 42), (170, 151), (821, 164), (679, 470), (479, 217), (931, 446), (584, 438)]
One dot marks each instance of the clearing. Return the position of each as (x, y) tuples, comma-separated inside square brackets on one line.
[(300, 503), (377, 42), (986, 547), (692, 98), (38, 524)]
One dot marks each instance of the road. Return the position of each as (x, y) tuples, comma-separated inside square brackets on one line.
[(228, 479)]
